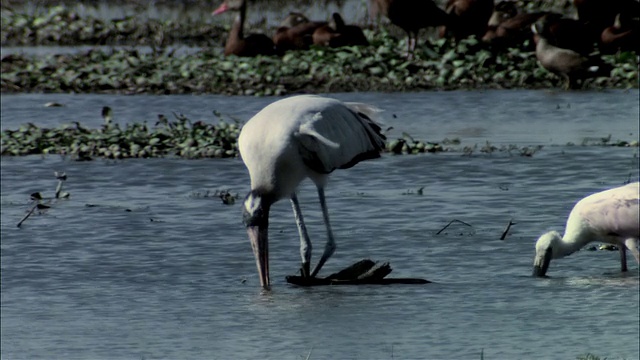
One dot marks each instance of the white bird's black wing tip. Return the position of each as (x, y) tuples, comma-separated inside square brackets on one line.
[(374, 125), (373, 154)]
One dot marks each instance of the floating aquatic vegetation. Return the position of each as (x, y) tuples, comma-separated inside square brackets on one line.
[(225, 195), (180, 137), (510, 149), (408, 145), (440, 64), (185, 138)]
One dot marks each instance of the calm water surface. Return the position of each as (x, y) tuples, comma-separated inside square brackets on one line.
[(155, 270)]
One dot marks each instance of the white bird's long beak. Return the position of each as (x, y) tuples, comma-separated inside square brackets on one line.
[(541, 263), (259, 237)]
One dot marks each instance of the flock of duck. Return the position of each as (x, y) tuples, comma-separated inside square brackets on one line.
[(563, 45)]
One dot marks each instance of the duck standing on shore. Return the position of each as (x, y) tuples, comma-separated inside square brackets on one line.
[(412, 16), (566, 63)]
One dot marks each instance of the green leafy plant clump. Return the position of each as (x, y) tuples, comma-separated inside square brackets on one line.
[(61, 26), (180, 137), (381, 66)]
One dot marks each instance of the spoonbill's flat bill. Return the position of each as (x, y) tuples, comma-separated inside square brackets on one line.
[(293, 139), (610, 216)]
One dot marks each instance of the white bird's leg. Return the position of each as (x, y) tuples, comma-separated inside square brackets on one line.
[(305, 242), (623, 258), (330, 246), (632, 245)]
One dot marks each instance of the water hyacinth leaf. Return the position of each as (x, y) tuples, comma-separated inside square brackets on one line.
[(457, 73), (133, 61), (449, 56), (376, 71)]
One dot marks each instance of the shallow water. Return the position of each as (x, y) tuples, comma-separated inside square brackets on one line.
[(40, 51), (268, 12), (153, 269)]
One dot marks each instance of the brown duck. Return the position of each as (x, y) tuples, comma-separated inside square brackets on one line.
[(566, 33), (466, 18), (412, 16), (237, 44), (295, 33), (339, 34), (566, 63), (598, 15), (508, 26), (620, 37)]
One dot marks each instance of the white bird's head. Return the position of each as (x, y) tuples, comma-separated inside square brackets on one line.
[(545, 252), (255, 215)]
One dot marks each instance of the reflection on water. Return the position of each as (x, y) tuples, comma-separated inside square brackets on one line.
[(174, 277)]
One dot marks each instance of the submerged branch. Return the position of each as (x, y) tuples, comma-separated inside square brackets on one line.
[(451, 222)]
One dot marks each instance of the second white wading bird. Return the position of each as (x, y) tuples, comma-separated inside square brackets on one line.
[(610, 216), (293, 139)]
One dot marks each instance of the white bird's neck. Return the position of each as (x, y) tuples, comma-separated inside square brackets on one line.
[(575, 237), (565, 247)]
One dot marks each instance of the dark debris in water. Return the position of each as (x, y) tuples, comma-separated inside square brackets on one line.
[(225, 195), (363, 272), (39, 200)]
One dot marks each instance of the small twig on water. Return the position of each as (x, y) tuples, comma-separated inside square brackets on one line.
[(38, 206), (451, 222), (309, 354), (506, 229), (33, 208)]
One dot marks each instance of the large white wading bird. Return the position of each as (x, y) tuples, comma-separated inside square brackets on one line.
[(610, 216), (293, 139)]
